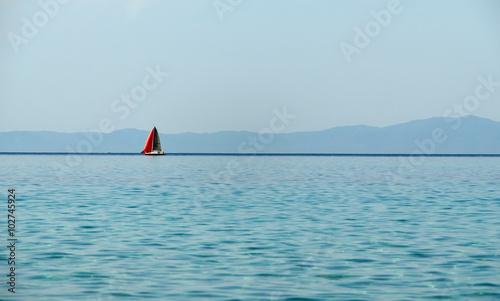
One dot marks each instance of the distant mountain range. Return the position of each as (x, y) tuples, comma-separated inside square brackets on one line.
[(467, 135)]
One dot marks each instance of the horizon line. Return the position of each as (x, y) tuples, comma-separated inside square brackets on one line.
[(260, 154)]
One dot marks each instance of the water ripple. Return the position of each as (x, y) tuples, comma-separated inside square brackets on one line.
[(276, 228)]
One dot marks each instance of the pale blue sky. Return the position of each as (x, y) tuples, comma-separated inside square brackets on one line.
[(230, 74)]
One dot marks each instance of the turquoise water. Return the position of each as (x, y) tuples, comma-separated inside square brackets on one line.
[(253, 228)]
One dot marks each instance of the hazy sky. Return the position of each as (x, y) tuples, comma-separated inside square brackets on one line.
[(65, 67)]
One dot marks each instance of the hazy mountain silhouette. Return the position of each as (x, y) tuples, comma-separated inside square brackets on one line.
[(468, 135)]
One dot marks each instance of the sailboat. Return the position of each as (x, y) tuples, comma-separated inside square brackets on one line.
[(153, 144)]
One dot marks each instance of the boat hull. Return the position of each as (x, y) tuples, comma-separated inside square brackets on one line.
[(155, 154)]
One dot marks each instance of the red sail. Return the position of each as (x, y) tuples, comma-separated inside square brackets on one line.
[(148, 147)]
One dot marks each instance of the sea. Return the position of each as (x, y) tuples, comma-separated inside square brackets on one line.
[(207, 227)]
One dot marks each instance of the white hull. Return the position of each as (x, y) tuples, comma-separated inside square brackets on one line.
[(155, 153)]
